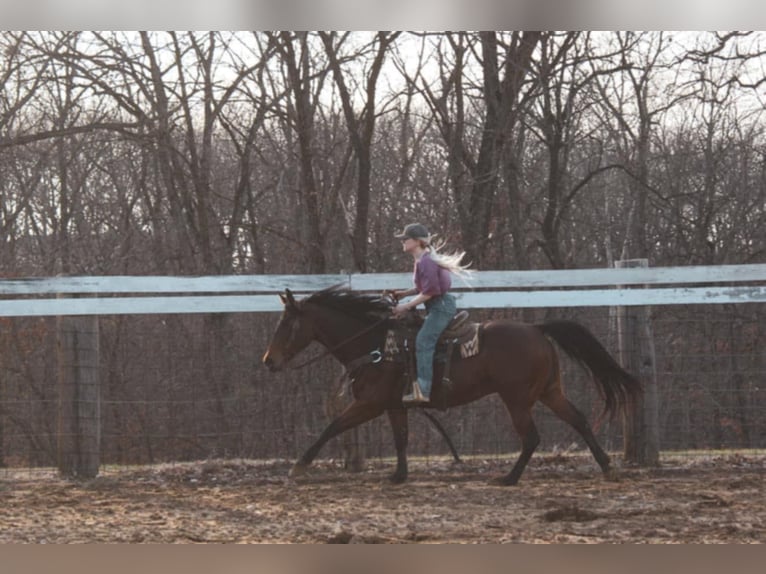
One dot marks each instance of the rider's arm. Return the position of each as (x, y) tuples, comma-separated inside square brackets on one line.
[(405, 293), (404, 307), (421, 298)]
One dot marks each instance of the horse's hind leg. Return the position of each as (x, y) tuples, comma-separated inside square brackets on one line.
[(525, 426), (443, 432), (566, 411), (354, 415)]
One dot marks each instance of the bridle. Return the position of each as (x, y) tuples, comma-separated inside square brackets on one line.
[(377, 358)]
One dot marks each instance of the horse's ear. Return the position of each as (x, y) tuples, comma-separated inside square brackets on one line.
[(288, 299), (283, 298)]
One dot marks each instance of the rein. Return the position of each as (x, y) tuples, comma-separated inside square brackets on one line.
[(339, 345)]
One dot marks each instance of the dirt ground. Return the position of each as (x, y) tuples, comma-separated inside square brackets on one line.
[(561, 498)]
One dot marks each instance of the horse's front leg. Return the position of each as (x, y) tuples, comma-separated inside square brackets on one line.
[(399, 424), (354, 414)]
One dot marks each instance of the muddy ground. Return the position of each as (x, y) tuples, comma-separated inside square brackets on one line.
[(561, 498)]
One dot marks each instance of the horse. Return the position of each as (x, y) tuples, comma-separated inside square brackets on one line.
[(518, 361)]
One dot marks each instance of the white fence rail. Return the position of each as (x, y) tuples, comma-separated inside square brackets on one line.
[(119, 295)]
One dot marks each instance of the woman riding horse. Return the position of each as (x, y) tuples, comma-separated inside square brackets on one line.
[(517, 361), (432, 281)]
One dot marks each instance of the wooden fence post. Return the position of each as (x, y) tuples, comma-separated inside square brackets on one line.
[(636, 352), (79, 408)]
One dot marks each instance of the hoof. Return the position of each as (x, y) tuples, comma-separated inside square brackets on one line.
[(298, 469)]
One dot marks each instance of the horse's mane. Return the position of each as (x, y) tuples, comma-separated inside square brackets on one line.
[(367, 308)]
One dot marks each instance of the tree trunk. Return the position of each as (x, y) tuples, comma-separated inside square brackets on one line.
[(299, 75)]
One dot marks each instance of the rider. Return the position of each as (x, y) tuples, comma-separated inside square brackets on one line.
[(432, 279)]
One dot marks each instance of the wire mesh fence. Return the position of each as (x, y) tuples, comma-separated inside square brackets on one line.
[(191, 387)]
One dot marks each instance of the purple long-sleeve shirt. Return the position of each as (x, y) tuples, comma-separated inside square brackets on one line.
[(430, 278)]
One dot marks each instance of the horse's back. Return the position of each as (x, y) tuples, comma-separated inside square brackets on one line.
[(505, 332)]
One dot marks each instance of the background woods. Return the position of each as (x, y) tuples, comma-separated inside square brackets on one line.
[(301, 152)]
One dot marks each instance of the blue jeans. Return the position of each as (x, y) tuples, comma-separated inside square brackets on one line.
[(439, 313)]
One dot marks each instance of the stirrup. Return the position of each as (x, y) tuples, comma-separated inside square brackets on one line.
[(416, 396)]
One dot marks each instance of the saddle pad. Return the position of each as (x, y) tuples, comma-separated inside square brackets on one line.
[(391, 346), (395, 343), (470, 347)]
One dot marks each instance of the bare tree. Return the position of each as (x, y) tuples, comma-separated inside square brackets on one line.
[(304, 83), (361, 129), (474, 161)]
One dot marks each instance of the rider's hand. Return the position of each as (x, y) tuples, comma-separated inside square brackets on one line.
[(400, 310), (392, 294)]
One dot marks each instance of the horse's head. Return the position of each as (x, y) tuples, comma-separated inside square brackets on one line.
[(293, 334)]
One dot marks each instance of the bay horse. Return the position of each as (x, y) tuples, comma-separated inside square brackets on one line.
[(516, 360)]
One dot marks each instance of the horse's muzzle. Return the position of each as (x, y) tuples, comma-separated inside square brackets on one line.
[(271, 365)]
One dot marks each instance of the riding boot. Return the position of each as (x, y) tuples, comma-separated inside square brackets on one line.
[(416, 396)]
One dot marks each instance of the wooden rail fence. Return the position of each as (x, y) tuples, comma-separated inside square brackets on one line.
[(76, 301)]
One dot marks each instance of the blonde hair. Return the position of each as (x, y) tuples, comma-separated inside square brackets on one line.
[(449, 261)]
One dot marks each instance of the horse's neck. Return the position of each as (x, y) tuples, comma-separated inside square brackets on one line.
[(343, 335)]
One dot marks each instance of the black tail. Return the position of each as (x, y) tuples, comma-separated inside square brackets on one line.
[(617, 386)]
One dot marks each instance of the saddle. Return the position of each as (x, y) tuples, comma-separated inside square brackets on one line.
[(458, 327), (459, 330)]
